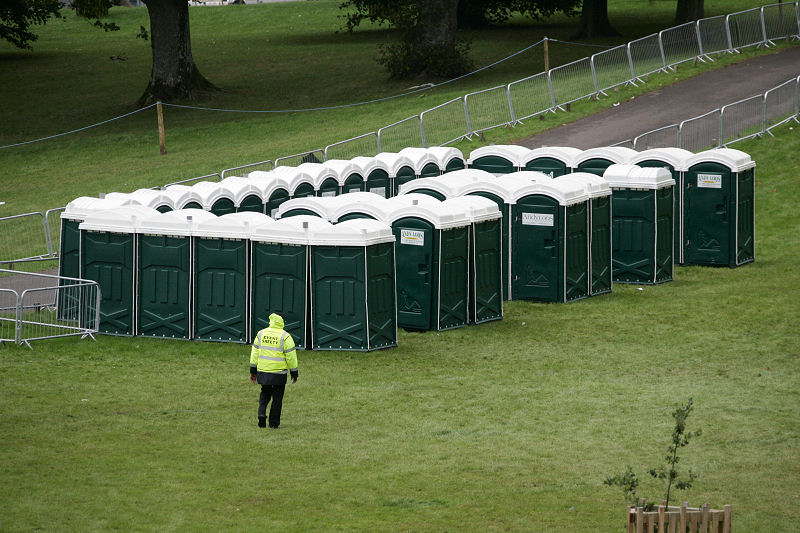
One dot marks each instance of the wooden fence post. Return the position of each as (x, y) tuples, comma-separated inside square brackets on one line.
[(161, 141), (546, 56), (726, 525), (684, 507), (706, 516)]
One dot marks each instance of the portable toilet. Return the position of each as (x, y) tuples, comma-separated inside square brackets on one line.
[(549, 259), (450, 159), (301, 181), (426, 165), (221, 276), (672, 159), (432, 251), (247, 194), (216, 198), (642, 228), (401, 170), (718, 208), (184, 197), (279, 277), (353, 299), (348, 174), (310, 205), (274, 190), (600, 223), (447, 185), (358, 205), (164, 273), (485, 257), (376, 175), (551, 160), (108, 251), (597, 160), (498, 159), (154, 198)]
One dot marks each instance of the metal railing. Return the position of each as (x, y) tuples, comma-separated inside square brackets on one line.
[(659, 138), (207, 177), (261, 165), (24, 237), (63, 307)]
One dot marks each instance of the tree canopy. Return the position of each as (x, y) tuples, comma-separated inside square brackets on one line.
[(17, 17)]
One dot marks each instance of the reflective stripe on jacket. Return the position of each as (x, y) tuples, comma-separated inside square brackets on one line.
[(273, 351)]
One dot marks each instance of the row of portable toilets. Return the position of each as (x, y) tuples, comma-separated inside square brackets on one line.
[(440, 252)]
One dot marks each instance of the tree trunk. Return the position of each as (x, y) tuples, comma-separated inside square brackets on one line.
[(174, 76), (689, 10), (594, 20), (438, 21)]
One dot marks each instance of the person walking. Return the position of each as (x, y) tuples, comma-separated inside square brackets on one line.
[(272, 357)]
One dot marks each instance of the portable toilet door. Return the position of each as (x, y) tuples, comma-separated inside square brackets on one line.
[(600, 224), (426, 165), (247, 196), (348, 175), (279, 282), (108, 253), (184, 197), (551, 160), (432, 251), (274, 191), (216, 198), (549, 259), (672, 159), (401, 170), (642, 233), (718, 210), (450, 159), (485, 257), (353, 286), (220, 270), (376, 175), (164, 270), (498, 159), (597, 160)]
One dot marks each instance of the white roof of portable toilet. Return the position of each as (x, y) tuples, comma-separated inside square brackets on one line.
[(125, 219), (295, 176), (420, 157), (595, 186), (364, 202), (182, 195), (530, 175), (395, 162), (181, 223), (318, 173), (672, 156), (478, 208), (567, 154), (513, 152), (343, 169), (211, 191), (615, 154), (259, 174), (449, 184), (369, 164), (428, 208), (291, 230), (80, 208), (445, 154), (268, 183), (636, 177), (231, 226), (736, 160), (319, 205), (241, 188), (154, 198), (356, 232), (566, 192), (617, 175), (494, 186)]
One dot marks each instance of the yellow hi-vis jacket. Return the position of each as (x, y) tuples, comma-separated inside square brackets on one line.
[(273, 349)]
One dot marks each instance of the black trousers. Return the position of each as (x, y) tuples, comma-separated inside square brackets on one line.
[(274, 393)]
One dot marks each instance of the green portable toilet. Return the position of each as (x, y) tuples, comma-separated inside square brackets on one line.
[(450, 159), (549, 259), (401, 169), (672, 159), (154, 198), (356, 205), (447, 185), (184, 197), (718, 208), (432, 251), (642, 228), (108, 251), (485, 257), (274, 190), (426, 165), (376, 175), (221, 276), (301, 180), (348, 175), (597, 160), (353, 286), (279, 275), (600, 224), (216, 198), (164, 273), (317, 206), (551, 160), (498, 159), (247, 194)]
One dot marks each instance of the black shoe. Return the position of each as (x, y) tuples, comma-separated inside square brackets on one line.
[(273, 427), (262, 422)]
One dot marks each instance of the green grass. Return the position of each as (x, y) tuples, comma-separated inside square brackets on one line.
[(510, 425)]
